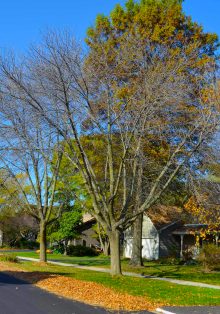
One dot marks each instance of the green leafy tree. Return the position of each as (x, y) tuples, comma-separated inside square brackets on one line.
[(66, 227)]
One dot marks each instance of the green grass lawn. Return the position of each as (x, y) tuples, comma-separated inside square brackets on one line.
[(183, 272), (157, 291)]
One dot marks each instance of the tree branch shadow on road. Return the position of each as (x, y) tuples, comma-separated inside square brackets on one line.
[(21, 278)]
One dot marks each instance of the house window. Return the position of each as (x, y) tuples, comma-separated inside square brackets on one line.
[(84, 242)]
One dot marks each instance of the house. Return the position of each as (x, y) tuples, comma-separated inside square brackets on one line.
[(191, 239), (166, 233), (87, 236), (158, 238), (162, 234), (16, 228)]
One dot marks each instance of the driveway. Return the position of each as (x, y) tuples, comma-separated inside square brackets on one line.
[(19, 297)]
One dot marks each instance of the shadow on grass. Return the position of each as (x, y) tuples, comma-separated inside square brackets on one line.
[(189, 273), (171, 271)]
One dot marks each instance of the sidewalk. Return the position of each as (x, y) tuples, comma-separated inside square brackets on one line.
[(105, 270)]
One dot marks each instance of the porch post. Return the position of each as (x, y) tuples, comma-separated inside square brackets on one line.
[(1, 238), (181, 245), (216, 239)]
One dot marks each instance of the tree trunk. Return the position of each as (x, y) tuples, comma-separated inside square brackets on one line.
[(136, 256), (104, 241), (106, 248), (43, 242), (65, 244), (114, 238)]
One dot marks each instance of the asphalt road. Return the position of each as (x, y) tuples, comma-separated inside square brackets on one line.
[(19, 297), (194, 310)]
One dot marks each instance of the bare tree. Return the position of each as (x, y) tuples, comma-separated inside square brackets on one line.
[(152, 103), (27, 154)]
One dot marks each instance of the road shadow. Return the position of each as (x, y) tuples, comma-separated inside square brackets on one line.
[(23, 278)]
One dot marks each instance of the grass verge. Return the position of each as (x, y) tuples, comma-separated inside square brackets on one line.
[(181, 272)]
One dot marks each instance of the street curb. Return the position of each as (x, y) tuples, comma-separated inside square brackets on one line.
[(158, 310)]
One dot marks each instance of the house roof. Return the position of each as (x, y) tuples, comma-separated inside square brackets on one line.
[(190, 229), (87, 222), (87, 218), (163, 216)]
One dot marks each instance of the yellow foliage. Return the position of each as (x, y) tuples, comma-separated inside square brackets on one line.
[(204, 215)]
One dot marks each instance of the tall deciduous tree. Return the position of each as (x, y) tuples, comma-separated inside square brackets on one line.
[(152, 21), (26, 151)]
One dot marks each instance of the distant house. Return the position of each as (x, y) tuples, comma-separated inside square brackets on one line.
[(191, 240), (87, 234), (166, 234), (158, 239), (18, 227)]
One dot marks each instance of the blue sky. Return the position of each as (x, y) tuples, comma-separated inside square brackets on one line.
[(21, 21)]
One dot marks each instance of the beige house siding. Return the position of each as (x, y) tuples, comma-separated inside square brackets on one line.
[(87, 238)]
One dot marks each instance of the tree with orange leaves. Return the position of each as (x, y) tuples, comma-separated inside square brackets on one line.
[(153, 23), (203, 212)]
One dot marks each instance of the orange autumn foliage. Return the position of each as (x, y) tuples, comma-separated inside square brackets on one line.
[(208, 215)]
